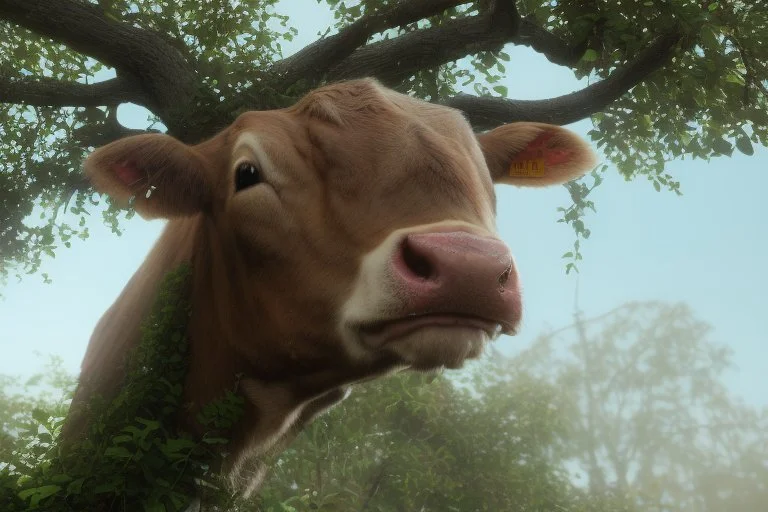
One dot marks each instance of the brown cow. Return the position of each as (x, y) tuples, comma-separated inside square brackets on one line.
[(340, 239)]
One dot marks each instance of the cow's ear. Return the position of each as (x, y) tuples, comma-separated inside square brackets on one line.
[(166, 177), (535, 154)]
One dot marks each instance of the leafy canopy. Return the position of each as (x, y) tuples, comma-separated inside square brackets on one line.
[(702, 94)]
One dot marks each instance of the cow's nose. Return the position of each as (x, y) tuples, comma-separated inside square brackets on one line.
[(462, 273), (441, 256)]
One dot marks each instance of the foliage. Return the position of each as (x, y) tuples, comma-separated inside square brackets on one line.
[(412, 442), (707, 101), (131, 457), (650, 413), (574, 214), (20, 405), (711, 98), (17, 406), (42, 147)]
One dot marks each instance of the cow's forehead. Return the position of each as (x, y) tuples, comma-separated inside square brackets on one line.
[(361, 108), (365, 102)]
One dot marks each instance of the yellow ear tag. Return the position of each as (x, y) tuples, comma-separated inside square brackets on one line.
[(527, 168)]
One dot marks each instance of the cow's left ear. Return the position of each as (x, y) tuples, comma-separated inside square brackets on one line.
[(535, 154), (167, 177)]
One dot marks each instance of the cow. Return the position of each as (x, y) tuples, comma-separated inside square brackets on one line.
[(334, 241)]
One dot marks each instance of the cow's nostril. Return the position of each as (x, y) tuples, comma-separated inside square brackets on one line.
[(504, 276), (417, 263)]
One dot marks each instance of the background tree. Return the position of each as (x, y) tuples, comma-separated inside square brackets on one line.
[(671, 79), (26, 410), (19, 400), (410, 444), (650, 413)]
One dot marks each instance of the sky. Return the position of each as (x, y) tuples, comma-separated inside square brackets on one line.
[(707, 248)]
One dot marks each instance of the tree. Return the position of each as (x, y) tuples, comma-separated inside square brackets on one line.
[(650, 415), (672, 79), (17, 404), (425, 443)]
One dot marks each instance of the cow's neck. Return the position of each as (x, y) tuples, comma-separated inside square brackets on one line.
[(233, 342)]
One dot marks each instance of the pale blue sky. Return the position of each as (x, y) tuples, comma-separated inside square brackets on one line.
[(707, 248)]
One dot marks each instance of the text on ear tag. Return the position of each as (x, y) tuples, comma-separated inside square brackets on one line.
[(534, 168)]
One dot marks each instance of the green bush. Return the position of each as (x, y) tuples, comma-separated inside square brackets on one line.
[(132, 458)]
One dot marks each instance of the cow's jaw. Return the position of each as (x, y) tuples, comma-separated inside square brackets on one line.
[(432, 320)]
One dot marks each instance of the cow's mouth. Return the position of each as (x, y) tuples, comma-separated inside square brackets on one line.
[(377, 334)]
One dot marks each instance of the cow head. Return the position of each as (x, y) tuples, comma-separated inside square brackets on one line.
[(356, 227)]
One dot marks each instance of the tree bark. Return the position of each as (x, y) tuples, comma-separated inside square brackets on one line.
[(166, 78), (489, 112), (393, 60), (314, 60), (55, 93)]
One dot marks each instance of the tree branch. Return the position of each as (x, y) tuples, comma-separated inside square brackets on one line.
[(166, 77), (551, 46), (56, 93), (393, 60), (488, 112), (314, 60), (499, 25), (97, 135)]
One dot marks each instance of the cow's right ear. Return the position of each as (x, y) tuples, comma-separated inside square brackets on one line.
[(167, 177)]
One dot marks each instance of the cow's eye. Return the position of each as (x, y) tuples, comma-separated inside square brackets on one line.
[(246, 175)]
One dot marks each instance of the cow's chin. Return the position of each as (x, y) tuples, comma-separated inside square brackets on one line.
[(433, 342), (430, 348)]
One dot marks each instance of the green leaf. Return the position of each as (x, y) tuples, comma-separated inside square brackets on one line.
[(150, 424), (75, 486), (722, 146), (40, 416), (118, 452), (60, 479), (590, 55), (215, 440), (744, 145), (501, 90), (121, 439), (37, 494), (710, 38), (177, 445)]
